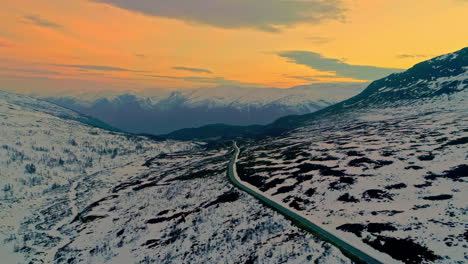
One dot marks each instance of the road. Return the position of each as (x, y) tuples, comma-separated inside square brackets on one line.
[(300, 221)]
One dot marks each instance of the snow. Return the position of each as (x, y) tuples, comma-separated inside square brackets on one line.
[(62, 152), (401, 137), (87, 203)]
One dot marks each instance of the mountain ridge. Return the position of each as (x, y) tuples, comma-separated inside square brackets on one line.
[(443, 74), (168, 111)]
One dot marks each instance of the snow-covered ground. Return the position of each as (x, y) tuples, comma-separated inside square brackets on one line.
[(71, 193), (44, 157), (390, 178), (182, 209)]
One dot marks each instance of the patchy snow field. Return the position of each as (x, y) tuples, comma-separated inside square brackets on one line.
[(392, 178), (44, 158), (71, 193)]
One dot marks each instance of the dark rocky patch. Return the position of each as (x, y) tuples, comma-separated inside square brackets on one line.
[(227, 197), (354, 153), (438, 197), (324, 158), (458, 141), (168, 218), (198, 175), (427, 157), (144, 186), (396, 186), (380, 227), (356, 229), (417, 207), (364, 162), (294, 152), (387, 153), (271, 184), (81, 216), (347, 198), (405, 250), (342, 183), (285, 189), (324, 170), (298, 203), (441, 140), (423, 185), (310, 192), (120, 232), (455, 173), (90, 218), (151, 243), (163, 212), (302, 178), (414, 167), (125, 185), (347, 180), (376, 194), (387, 212)]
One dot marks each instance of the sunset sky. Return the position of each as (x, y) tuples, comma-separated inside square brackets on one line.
[(49, 46)]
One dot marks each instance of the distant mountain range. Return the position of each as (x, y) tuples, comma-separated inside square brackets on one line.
[(167, 111), (445, 74)]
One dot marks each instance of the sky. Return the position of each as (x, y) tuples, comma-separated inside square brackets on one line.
[(56, 46)]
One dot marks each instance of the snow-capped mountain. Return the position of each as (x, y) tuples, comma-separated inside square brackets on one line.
[(171, 110), (435, 78)]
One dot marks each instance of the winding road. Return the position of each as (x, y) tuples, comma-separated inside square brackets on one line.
[(347, 249)]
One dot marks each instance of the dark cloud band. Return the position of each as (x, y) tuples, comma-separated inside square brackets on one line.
[(96, 67), (266, 15), (197, 70), (39, 21), (340, 68)]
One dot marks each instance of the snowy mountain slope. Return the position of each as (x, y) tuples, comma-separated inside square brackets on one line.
[(182, 209), (171, 110), (55, 110), (72, 193), (386, 174), (43, 157), (389, 178)]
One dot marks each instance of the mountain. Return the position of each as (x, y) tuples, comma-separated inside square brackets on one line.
[(385, 171), (168, 111), (439, 76), (71, 192)]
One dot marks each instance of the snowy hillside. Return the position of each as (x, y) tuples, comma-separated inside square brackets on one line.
[(72, 193), (385, 170), (44, 157), (171, 110)]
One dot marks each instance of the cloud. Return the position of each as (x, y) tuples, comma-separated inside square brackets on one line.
[(266, 15), (411, 56), (96, 67), (38, 21), (206, 80), (197, 70), (34, 71), (310, 78), (341, 69)]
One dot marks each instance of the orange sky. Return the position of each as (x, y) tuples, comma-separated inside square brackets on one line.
[(80, 44)]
